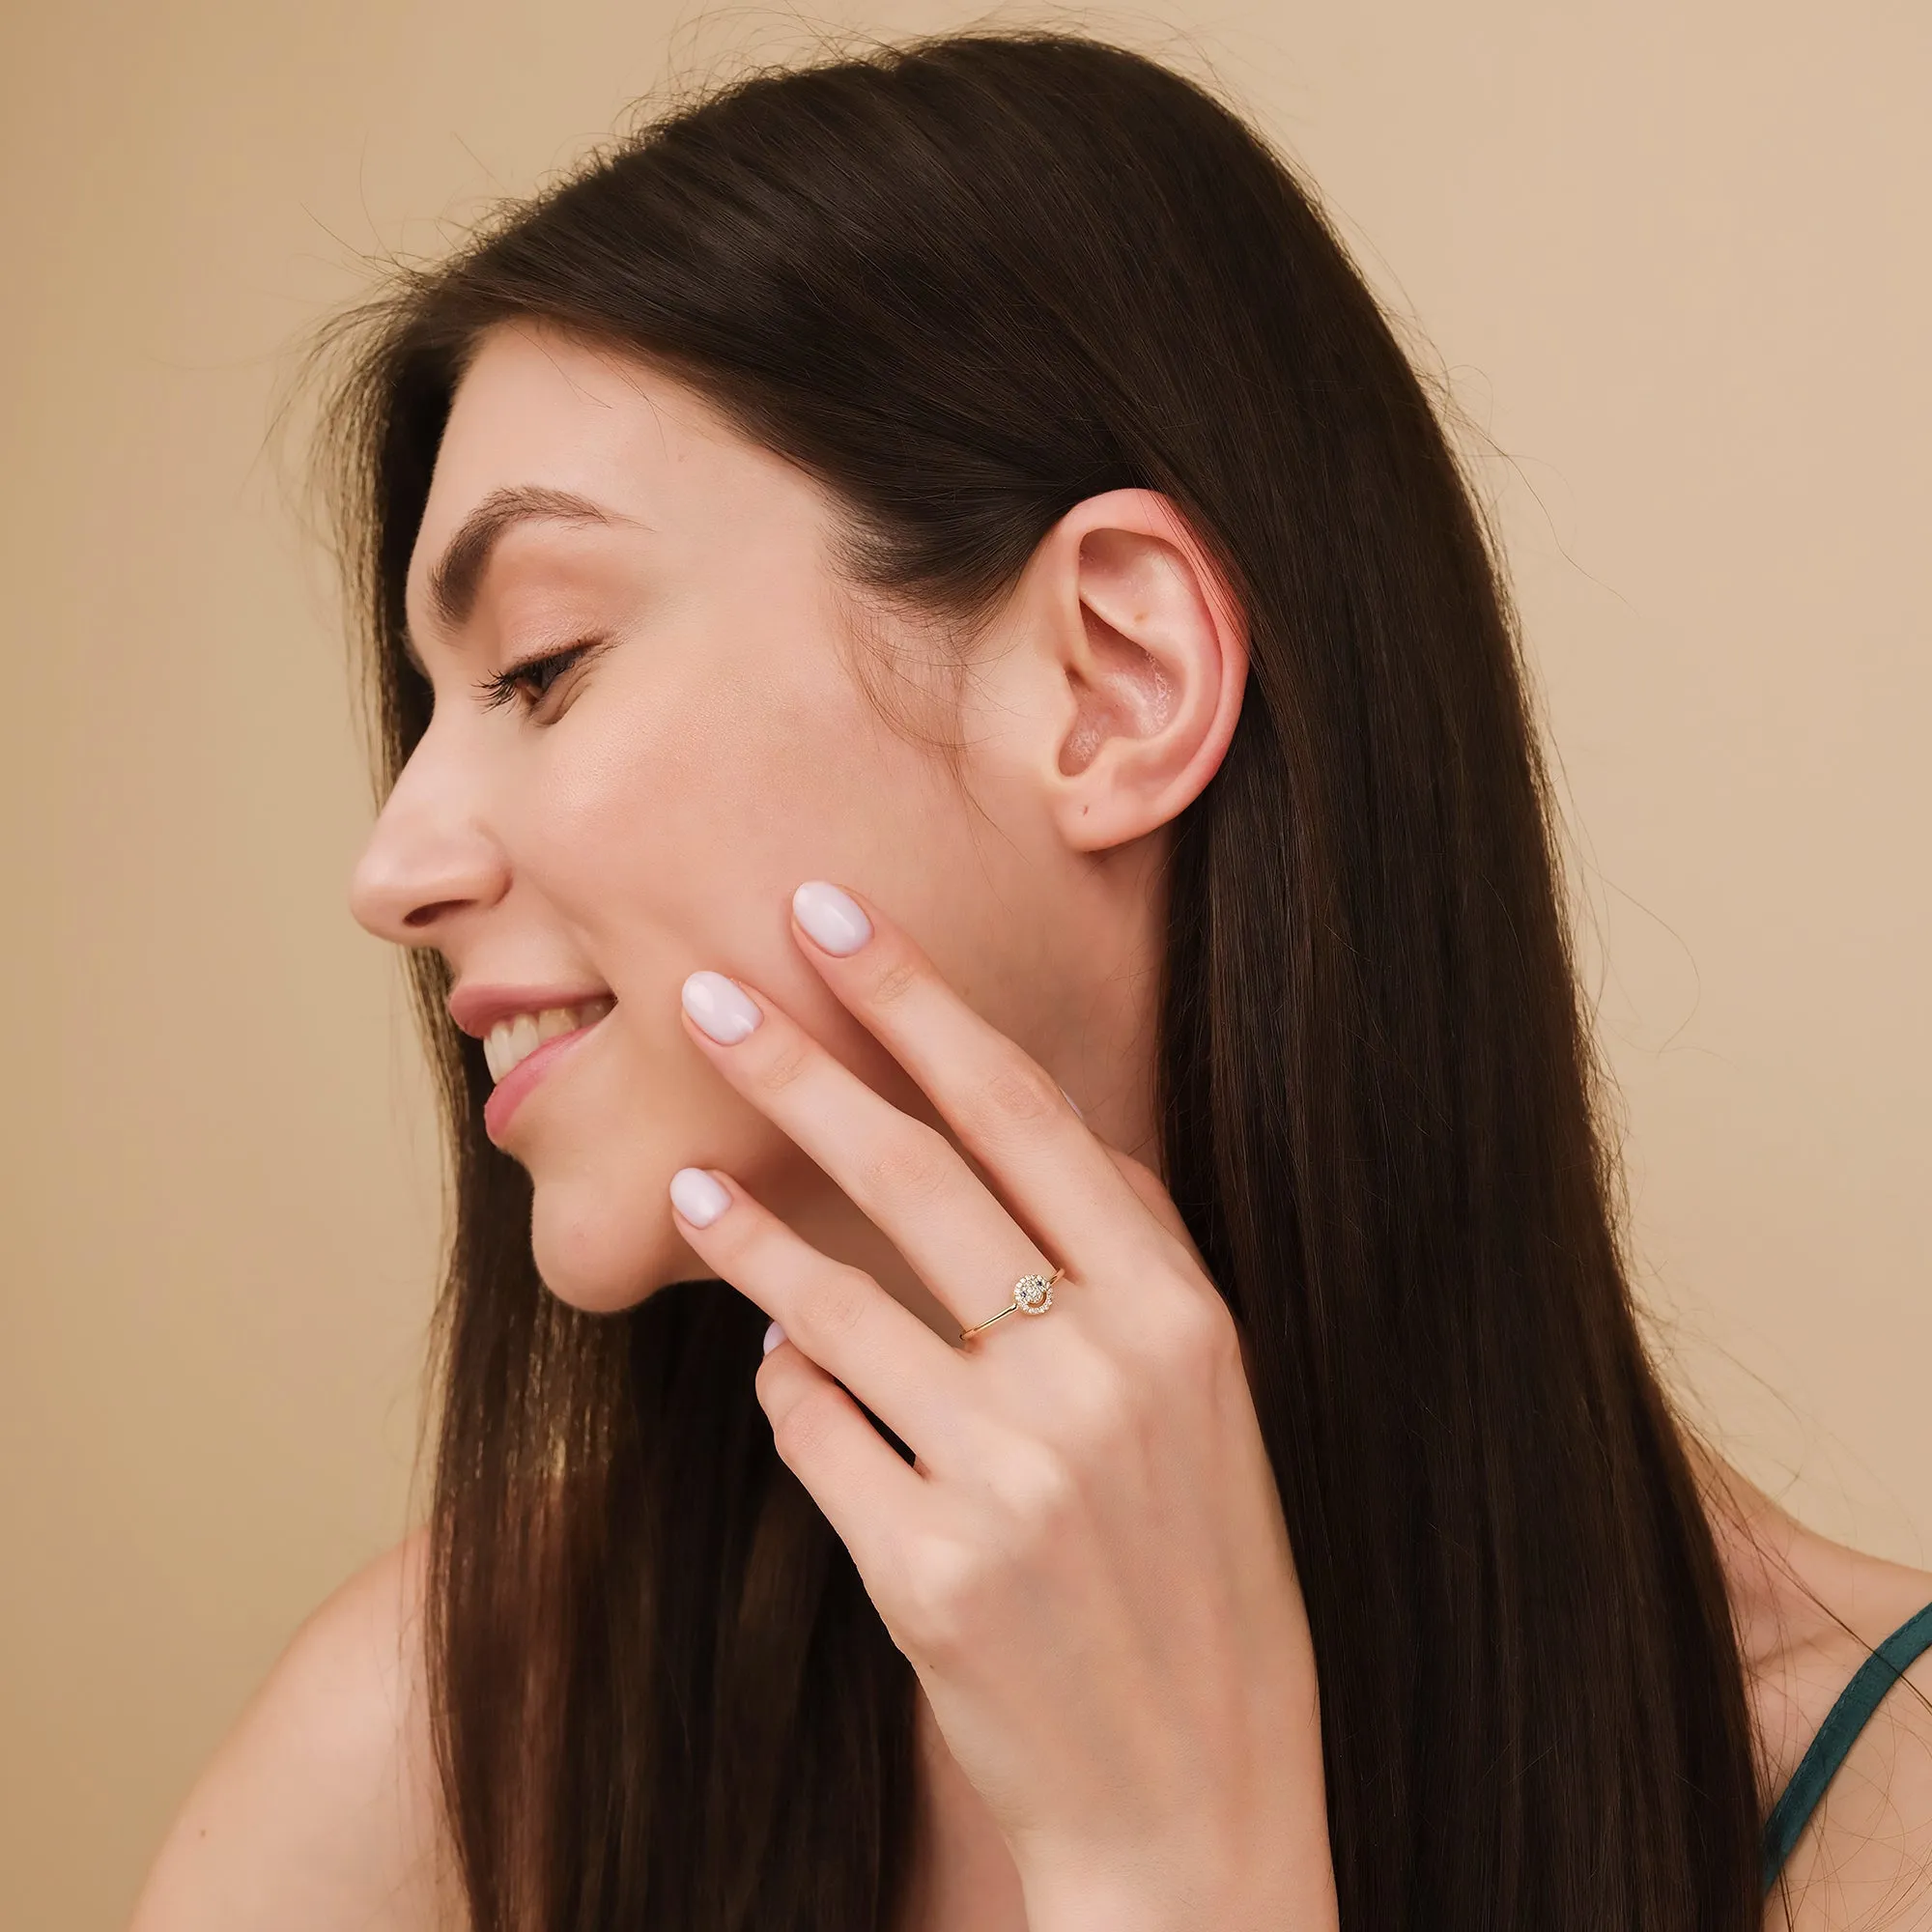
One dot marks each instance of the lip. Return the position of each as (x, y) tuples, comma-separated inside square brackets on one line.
[(509, 1093), (475, 1010)]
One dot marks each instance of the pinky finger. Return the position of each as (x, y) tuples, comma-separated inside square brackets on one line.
[(1155, 1199), (868, 1494)]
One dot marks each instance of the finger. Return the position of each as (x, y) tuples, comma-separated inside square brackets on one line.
[(868, 1495), (1157, 1200), (839, 1316), (1007, 1109), (903, 1174)]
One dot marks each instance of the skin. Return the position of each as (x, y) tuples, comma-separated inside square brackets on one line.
[(895, 1147)]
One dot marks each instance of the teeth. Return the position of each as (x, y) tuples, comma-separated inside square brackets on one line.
[(516, 1039)]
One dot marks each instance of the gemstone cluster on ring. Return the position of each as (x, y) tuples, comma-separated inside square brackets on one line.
[(1033, 1294)]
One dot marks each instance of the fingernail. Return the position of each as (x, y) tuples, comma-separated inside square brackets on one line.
[(774, 1335), (834, 919), (720, 1007), (1071, 1102), (697, 1197)]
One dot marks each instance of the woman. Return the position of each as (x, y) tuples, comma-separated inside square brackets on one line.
[(959, 792)]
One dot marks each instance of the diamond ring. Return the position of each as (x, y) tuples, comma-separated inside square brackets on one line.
[(1033, 1294)]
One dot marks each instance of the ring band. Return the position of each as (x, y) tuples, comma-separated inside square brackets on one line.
[(1033, 1294)]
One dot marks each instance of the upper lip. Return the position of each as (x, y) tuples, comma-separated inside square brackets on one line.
[(478, 1009)]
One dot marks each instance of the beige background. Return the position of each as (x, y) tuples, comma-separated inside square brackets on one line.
[(1672, 256)]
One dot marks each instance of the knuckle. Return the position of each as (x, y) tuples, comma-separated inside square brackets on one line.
[(944, 1585), (1038, 1486), (908, 1160), (1013, 1098), (1194, 1336), (832, 1303), (784, 1066), (805, 1427), (1101, 1402), (894, 982)]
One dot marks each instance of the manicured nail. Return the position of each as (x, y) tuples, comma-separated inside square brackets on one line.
[(697, 1197), (774, 1335), (834, 919), (1071, 1102), (720, 1007)]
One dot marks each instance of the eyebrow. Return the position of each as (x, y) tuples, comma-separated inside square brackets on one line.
[(458, 574)]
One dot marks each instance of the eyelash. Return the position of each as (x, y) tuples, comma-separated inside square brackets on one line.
[(506, 686)]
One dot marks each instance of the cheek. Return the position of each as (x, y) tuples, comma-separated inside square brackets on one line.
[(694, 811), (619, 790), (660, 837), (664, 833)]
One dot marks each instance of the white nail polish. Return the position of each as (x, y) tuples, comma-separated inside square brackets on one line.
[(774, 1335), (834, 919), (697, 1197), (720, 1007)]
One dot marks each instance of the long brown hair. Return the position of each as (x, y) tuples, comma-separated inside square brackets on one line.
[(966, 282)]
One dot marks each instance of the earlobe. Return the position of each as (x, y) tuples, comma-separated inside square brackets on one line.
[(1153, 656)]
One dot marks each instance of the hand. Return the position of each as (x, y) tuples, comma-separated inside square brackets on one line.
[(1087, 1562)]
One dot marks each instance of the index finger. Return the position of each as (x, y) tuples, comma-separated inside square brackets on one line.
[(1008, 1112)]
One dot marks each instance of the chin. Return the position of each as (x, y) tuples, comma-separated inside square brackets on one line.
[(601, 1257)]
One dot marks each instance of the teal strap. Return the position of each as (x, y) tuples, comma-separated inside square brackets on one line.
[(1857, 1701)]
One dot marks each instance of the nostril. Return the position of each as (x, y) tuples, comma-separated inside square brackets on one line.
[(428, 915)]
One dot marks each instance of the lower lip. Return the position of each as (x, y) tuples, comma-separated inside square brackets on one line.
[(507, 1096)]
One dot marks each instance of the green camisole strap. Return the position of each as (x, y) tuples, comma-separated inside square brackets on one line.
[(1859, 1699)]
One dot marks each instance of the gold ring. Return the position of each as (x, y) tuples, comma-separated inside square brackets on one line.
[(1033, 1294)]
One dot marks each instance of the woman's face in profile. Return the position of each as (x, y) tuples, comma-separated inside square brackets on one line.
[(646, 807)]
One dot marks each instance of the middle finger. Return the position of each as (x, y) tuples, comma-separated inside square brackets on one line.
[(904, 1175)]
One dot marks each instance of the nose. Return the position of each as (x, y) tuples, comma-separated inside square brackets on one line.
[(429, 858)]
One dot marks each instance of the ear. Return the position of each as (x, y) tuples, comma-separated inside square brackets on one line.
[(1146, 654)]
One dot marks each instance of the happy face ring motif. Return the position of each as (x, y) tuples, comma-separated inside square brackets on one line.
[(1033, 1294)]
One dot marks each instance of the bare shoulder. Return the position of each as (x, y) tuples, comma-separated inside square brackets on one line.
[(1866, 1858), (1812, 1611), (318, 1813)]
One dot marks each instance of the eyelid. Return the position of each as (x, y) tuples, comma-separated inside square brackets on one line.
[(503, 687)]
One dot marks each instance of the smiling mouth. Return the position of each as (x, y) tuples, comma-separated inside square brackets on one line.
[(513, 1041)]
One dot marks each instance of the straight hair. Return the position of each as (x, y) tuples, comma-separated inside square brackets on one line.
[(965, 282)]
